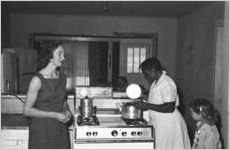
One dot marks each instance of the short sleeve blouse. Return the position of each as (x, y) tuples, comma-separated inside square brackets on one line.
[(164, 90)]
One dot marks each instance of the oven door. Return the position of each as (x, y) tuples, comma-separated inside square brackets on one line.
[(113, 144)]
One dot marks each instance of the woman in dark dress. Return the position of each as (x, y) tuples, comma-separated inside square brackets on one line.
[(46, 101)]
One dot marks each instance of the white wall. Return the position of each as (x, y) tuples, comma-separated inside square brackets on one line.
[(21, 25)]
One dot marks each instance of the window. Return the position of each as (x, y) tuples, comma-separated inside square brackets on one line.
[(135, 56)]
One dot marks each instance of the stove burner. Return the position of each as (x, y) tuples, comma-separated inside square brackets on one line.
[(92, 121), (135, 122)]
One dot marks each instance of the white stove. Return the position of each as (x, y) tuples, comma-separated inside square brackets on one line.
[(108, 130), (113, 131)]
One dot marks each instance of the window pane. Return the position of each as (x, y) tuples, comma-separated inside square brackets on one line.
[(130, 60), (136, 60), (142, 55)]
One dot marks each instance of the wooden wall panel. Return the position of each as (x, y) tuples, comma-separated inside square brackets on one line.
[(195, 67)]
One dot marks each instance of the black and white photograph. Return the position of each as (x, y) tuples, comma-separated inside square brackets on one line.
[(115, 74)]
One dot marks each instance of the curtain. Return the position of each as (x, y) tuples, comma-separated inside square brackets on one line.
[(98, 65), (76, 64)]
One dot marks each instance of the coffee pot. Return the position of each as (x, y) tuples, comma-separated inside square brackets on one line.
[(86, 109)]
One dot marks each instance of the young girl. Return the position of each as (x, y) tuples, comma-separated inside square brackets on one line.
[(206, 135)]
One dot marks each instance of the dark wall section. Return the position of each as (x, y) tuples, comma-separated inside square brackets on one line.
[(5, 26), (196, 56), (115, 71)]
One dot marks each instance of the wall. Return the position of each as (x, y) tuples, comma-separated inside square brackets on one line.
[(196, 54), (226, 82), (5, 26), (24, 24)]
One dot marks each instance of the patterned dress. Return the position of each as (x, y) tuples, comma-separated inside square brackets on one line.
[(49, 133), (170, 128), (206, 137)]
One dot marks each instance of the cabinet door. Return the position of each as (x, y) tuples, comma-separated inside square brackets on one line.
[(8, 144), (13, 144), (29, 59), (27, 62), (14, 139)]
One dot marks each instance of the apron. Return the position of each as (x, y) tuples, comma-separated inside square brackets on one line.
[(170, 128)]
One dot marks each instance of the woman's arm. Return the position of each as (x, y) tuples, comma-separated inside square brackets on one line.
[(31, 98), (167, 94), (167, 107), (66, 109), (66, 106)]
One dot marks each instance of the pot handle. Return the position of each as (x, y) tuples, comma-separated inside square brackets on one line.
[(119, 107)]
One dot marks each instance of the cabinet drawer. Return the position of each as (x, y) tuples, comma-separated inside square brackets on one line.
[(11, 134), (13, 144)]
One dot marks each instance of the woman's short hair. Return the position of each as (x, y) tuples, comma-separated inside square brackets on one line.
[(46, 53), (151, 63), (205, 108)]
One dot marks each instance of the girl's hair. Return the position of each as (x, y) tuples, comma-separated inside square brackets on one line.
[(206, 109), (151, 63), (46, 53)]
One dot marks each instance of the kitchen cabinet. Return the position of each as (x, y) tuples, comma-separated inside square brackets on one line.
[(14, 133), (27, 60), (27, 66), (15, 138)]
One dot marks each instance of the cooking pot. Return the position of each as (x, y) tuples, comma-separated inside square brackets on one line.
[(129, 111)]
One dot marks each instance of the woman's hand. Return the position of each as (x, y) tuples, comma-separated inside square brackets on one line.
[(68, 114), (62, 117)]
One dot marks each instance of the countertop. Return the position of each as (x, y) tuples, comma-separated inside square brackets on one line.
[(14, 128), (18, 121), (120, 95), (23, 96)]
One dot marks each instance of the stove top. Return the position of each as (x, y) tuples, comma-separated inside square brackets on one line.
[(112, 127), (110, 121), (135, 122), (92, 121)]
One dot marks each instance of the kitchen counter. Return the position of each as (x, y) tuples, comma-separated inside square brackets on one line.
[(14, 128), (13, 104), (23, 96), (12, 112)]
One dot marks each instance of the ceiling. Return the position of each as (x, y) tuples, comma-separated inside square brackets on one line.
[(111, 8)]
